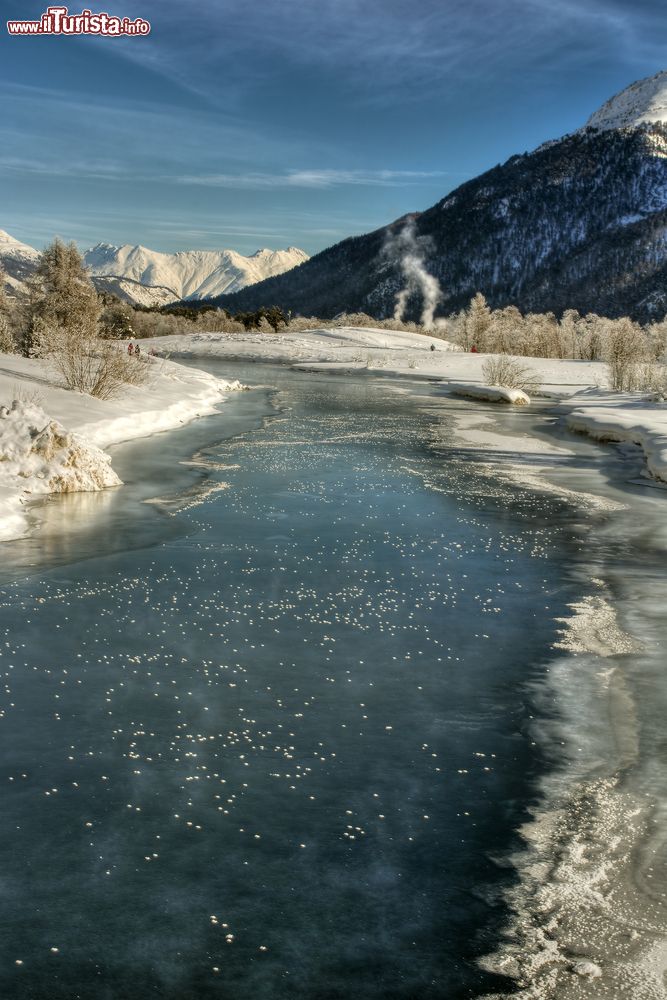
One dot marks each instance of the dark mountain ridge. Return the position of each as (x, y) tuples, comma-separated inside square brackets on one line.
[(579, 223)]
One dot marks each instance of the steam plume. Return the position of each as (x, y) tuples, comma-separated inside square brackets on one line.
[(409, 252)]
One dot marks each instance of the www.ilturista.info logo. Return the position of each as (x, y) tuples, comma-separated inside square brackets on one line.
[(58, 21)]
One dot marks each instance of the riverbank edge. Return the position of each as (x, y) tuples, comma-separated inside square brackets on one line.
[(172, 396)]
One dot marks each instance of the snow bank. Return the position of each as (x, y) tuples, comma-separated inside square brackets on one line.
[(636, 421), (38, 454), (491, 393)]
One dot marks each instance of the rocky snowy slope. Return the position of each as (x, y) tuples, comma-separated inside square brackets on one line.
[(578, 223), (17, 259), (128, 290)]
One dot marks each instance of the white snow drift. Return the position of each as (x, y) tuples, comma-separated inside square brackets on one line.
[(40, 456), (491, 393)]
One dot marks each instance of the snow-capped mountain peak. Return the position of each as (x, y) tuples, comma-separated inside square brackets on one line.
[(8, 244), (147, 277), (190, 274), (18, 260), (643, 102)]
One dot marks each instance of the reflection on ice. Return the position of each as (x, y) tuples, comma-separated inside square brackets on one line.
[(589, 910)]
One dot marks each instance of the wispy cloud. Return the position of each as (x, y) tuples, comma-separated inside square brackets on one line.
[(313, 178), (384, 50), (97, 170)]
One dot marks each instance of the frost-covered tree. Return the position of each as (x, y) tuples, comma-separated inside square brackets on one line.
[(505, 334), (657, 335), (569, 334), (116, 321), (63, 308), (7, 345), (476, 323), (63, 323), (626, 349), (544, 336)]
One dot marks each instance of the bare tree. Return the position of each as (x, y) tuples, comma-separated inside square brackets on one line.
[(570, 328)]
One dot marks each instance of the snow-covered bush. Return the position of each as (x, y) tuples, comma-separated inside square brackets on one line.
[(510, 373), (645, 376), (98, 367)]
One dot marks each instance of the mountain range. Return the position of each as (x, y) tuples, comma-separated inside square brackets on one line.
[(148, 277), (580, 222)]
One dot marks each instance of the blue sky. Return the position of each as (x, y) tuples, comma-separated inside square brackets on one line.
[(293, 122)]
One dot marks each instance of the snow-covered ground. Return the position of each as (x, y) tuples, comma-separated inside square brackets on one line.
[(375, 350), (578, 386), (51, 438)]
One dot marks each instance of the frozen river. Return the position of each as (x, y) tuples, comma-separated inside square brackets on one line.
[(273, 714)]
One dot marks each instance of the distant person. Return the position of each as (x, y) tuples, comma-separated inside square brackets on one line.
[(473, 349), (432, 347), (130, 349), (137, 350)]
